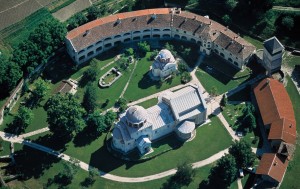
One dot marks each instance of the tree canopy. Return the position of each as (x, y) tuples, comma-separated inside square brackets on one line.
[(225, 171), (96, 121), (23, 118), (242, 152), (183, 177), (64, 114), (288, 22), (90, 99), (143, 47)]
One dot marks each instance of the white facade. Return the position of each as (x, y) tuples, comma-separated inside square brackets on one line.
[(164, 64), (137, 126), (163, 24)]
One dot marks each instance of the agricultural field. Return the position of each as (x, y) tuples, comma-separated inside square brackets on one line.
[(12, 12)]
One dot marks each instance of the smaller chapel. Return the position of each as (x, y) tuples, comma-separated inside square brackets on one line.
[(164, 64), (177, 112)]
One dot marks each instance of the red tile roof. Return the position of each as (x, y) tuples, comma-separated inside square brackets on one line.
[(138, 20), (283, 129), (273, 165), (276, 109)]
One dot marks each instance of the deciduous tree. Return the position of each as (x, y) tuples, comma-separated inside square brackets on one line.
[(23, 118), (64, 114), (90, 99), (242, 152)]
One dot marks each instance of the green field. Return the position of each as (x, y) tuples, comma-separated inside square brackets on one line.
[(221, 76), (148, 103), (292, 174), (141, 85)]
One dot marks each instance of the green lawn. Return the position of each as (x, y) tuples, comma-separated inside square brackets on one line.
[(5, 148), (293, 171), (223, 79), (234, 115), (39, 168), (148, 103), (95, 153), (291, 60), (255, 42), (141, 84)]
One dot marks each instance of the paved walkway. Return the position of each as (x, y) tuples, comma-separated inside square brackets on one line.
[(292, 9), (35, 132), (239, 182), (125, 88)]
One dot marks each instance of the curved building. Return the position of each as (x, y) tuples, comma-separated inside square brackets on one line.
[(99, 35)]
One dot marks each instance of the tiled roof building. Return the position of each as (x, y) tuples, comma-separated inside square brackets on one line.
[(99, 35), (277, 113)]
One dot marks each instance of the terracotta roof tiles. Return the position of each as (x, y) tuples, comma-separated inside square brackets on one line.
[(273, 165)]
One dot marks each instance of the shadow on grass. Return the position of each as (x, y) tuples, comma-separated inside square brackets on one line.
[(55, 142), (62, 68), (31, 163), (85, 137), (147, 82)]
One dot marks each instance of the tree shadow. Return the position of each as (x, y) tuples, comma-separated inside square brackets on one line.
[(54, 141), (85, 137), (147, 82), (31, 163), (62, 68)]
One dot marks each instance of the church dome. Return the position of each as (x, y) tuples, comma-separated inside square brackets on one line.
[(165, 56), (136, 114)]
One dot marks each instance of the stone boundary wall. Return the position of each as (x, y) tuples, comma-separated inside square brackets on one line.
[(10, 102)]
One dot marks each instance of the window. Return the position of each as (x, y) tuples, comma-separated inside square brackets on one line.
[(193, 40), (127, 39), (146, 36), (81, 58), (235, 63), (81, 51), (90, 53), (107, 45), (183, 38), (156, 30), (117, 36), (106, 39), (222, 55), (135, 32), (184, 31), (98, 42), (99, 49), (147, 30), (166, 36), (230, 60), (156, 36), (89, 47), (166, 30), (126, 34), (176, 36), (136, 38)]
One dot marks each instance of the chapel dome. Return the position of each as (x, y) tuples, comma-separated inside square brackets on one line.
[(165, 56), (136, 114)]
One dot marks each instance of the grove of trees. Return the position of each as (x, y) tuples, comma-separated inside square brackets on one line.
[(64, 114)]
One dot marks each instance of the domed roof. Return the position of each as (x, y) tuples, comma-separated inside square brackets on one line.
[(136, 114), (165, 56), (186, 127)]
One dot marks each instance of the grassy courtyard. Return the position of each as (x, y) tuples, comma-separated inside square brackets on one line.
[(211, 76), (141, 85), (148, 103), (94, 152)]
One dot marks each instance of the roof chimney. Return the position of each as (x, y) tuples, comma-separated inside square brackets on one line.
[(86, 33), (195, 17), (118, 21), (268, 81), (210, 23), (179, 10), (275, 163), (226, 28), (291, 125), (153, 16)]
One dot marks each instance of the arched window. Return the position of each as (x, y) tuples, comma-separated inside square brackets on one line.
[(90, 53), (81, 51), (106, 39), (156, 36), (127, 39), (146, 36), (222, 55), (99, 49), (156, 30), (147, 30), (126, 34), (81, 58), (166, 36), (117, 36), (176, 36), (136, 32), (230, 60), (107, 45), (183, 38), (136, 38), (166, 30), (193, 40), (216, 51)]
